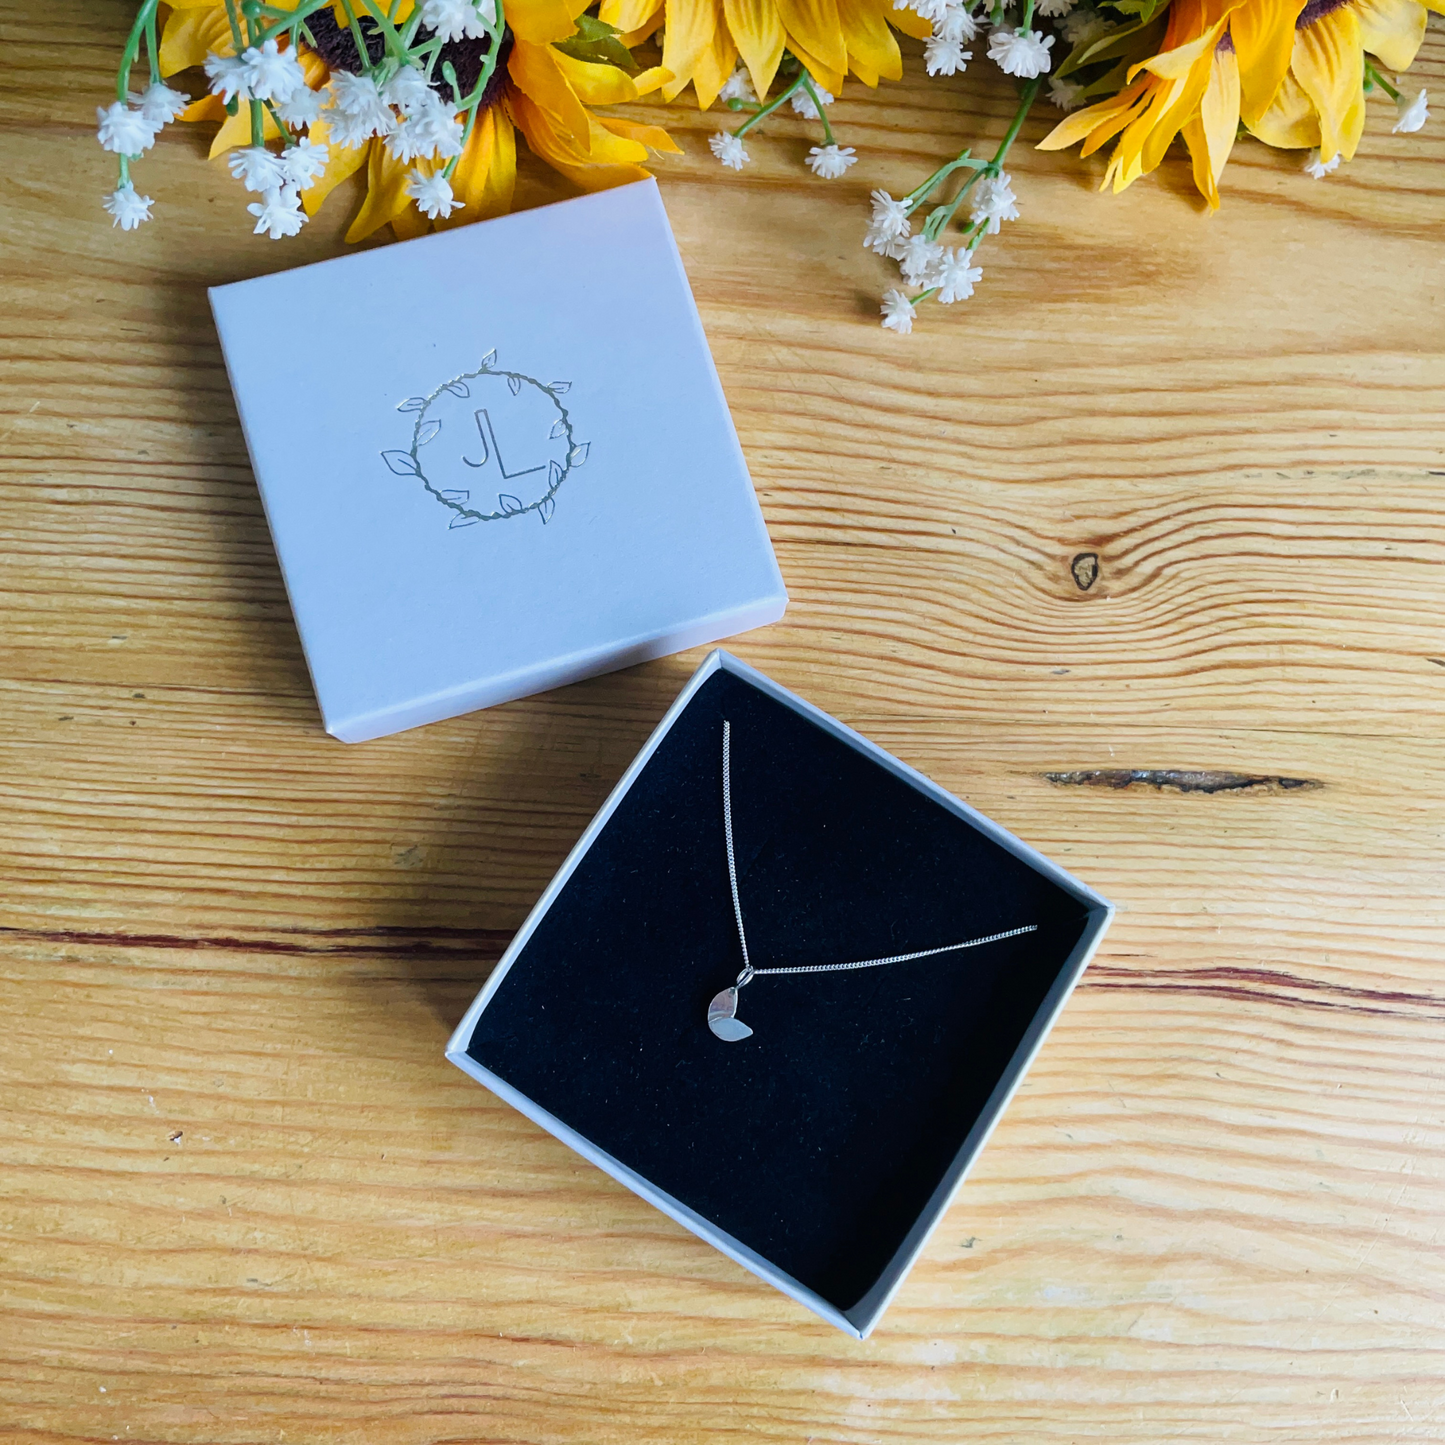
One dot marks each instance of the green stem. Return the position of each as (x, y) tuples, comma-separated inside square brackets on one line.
[(941, 217), (153, 50), (145, 20), (363, 55), (258, 124), (1372, 74), (919, 194), (1027, 21), (821, 108), (237, 42), (449, 169), (766, 110)]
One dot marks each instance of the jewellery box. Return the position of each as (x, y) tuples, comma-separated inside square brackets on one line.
[(820, 1150), (495, 460)]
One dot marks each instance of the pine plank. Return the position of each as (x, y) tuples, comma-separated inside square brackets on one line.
[(243, 1198)]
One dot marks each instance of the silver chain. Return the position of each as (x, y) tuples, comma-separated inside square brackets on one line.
[(749, 972)]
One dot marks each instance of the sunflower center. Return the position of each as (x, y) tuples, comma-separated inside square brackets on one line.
[(336, 45), (1317, 10)]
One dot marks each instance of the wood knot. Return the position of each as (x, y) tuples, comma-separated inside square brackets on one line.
[(1085, 568)]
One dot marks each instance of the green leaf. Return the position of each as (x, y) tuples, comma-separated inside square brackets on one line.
[(598, 42), (1142, 10), (1134, 42)]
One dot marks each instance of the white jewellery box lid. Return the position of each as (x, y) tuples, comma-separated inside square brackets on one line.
[(495, 460)]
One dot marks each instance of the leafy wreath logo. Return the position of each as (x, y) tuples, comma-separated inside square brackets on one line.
[(482, 411)]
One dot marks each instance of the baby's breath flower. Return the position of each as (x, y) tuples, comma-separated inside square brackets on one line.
[(430, 129), (432, 194), (304, 163), (945, 57), (271, 73), (278, 213), (1319, 169), (408, 88), (355, 110), (802, 102), (160, 104), (918, 258), (1064, 93), (738, 86), (257, 168), (889, 223), (128, 209), (459, 19), (898, 312), (228, 77), (729, 150), (1081, 27), (993, 203), (303, 108), (1024, 53), (1054, 9), (955, 275), (125, 131), (831, 161), (931, 10), (957, 25), (1412, 113)]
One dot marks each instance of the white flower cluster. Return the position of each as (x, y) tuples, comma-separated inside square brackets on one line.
[(128, 129), (945, 272), (1024, 53), (1411, 114), (827, 161), (954, 25), (264, 72), (459, 19)]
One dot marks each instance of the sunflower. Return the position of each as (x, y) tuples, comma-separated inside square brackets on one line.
[(1321, 98), (1292, 72), (705, 38), (536, 87)]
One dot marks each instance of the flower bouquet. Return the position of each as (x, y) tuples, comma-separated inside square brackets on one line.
[(427, 98)]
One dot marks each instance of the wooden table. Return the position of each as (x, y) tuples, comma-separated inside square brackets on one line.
[(242, 1196)]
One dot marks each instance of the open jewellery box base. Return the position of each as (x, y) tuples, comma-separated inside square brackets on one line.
[(820, 1152)]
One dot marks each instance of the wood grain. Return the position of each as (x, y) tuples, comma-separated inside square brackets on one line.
[(243, 1198)]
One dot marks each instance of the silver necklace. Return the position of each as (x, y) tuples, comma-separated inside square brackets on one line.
[(722, 1012)]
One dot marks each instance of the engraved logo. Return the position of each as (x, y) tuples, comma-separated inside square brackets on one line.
[(491, 444)]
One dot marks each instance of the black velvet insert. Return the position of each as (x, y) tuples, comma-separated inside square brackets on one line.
[(818, 1141)]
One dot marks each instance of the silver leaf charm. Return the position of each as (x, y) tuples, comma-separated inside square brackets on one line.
[(723, 1020)]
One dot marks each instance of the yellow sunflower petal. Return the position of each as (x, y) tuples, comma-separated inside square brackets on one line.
[(1329, 64), (647, 81), (1210, 134), (341, 161), (1289, 121), (1082, 124), (713, 67), (814, 34), (595, 83), (873, 53), (1263, 36), (1205, 181), (1391, 29), (629, 14), (208, 107), (562, 155), (386, 193), (486, 173), (236, 130), (651, 136), (540, 21), (535, 70), (191, 35), (408, 223), (690, 26), (633, 38), (910, 22), (757, 30)]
